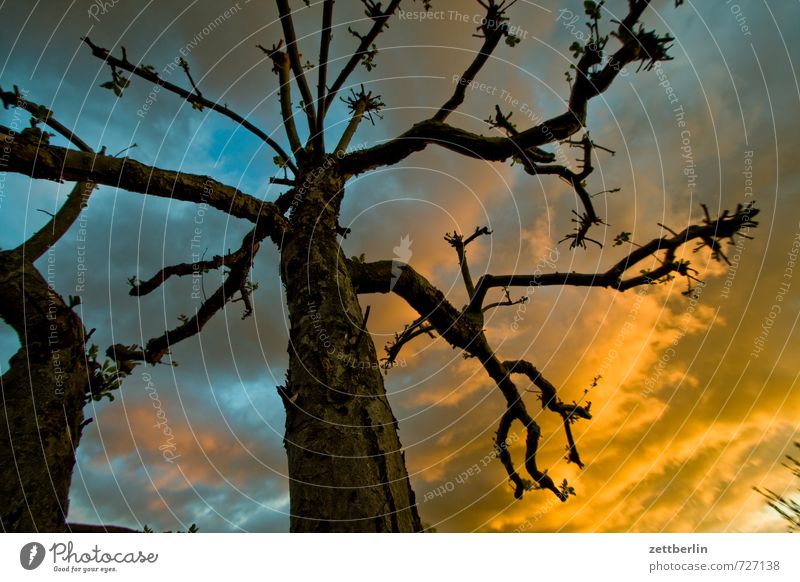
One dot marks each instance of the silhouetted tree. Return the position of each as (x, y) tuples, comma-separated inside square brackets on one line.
[(346, 465), (787, 508)]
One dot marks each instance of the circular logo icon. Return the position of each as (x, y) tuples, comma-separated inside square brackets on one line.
[(31, 555)]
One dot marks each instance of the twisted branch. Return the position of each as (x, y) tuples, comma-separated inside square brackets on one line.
[(378, 24), (77, 199), (710, 233), (639, 45), (494, 29), (282, 66), (149, 74), (297, 66), (37, 160), (236, 281)]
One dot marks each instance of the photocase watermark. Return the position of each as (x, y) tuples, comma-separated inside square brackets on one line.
[(664, 82), (69, 559), (760, 342), (474, 85), (179, 60), (473, 471), (100, 8), (687, 155), (31, 555), (168, 448), (95, 560)]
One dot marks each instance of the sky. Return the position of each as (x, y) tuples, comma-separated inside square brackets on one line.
[(698, 400)]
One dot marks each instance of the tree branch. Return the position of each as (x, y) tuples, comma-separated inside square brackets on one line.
[(55, 163), (428, 301), (575, 179), (641, 45), (501, 446), (459, 243), (78, 197), (282, 66), (324, 46), (39, 243), (41, 114), (358, 110), (361, 104), (506, 302), (710, 234), (297, 66), (379, 21), (568, 412), (141, 288), (494, 28), (236, 281), (414, 330), (195, 99), (464, 330), (454, 139)]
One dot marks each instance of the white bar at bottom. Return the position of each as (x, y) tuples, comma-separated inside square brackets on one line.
[(420, 557)]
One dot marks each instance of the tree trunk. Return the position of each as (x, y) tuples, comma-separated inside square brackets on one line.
[(346, 468), (42, 400)]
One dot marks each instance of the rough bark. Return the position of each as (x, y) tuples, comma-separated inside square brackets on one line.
[(344, 453), (42, 400)]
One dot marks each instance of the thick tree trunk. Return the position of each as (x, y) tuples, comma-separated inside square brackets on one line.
[(346, 466), (42, 400)]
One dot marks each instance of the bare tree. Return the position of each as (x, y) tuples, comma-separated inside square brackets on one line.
[(346, 464)]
